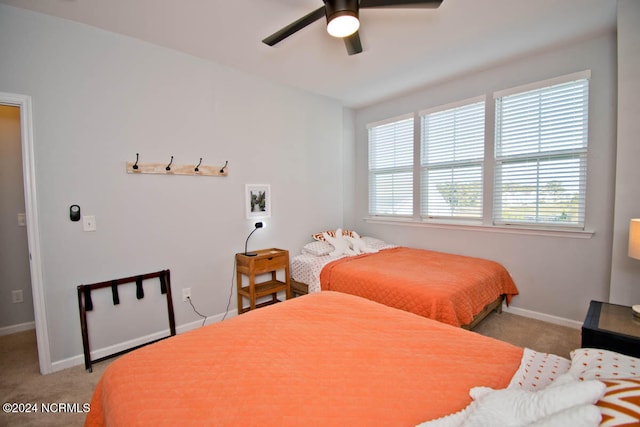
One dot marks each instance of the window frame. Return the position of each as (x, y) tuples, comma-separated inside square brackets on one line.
[(453, 165), (484, 224), (540, 157), (409, 168)]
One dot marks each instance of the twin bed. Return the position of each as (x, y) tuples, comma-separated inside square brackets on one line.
[(454, 289)]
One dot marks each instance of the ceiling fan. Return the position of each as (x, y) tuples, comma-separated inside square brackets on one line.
[(342, 19)]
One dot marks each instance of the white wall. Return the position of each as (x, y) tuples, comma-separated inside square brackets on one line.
[(625, 275), (556, 276), (98, 99), (14, 251)]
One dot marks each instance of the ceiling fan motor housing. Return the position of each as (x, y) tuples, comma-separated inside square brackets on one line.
[(335, 8)]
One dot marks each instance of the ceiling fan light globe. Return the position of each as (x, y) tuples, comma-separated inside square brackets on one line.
[(343, 24)]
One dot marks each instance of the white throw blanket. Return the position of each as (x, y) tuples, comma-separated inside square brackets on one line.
[(566, 402)]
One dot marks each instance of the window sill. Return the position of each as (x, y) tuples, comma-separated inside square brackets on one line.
[(470, 226)]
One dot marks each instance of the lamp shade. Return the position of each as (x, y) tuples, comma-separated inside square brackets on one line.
[(634, 238), (342, 17), (343, 25)]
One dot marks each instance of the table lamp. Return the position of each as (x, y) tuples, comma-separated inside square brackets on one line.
[(257, 225), (634, 250)]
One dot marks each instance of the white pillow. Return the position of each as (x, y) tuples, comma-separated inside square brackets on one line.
[(340, 245), (372, 241), (378, 244), (317, 248)]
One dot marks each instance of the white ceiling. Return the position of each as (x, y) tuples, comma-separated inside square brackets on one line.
[(403, 49)]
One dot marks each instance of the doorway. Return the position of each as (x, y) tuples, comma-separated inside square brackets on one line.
[(16, 304), (23, 103)]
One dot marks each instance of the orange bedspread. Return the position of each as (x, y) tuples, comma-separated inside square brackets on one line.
[(326, 359), (445, 287)]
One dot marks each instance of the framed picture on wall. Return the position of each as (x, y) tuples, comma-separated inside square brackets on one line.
[(258, 200)]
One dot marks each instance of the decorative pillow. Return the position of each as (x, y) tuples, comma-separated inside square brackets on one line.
[(568, 404), (341, 246), (538, 370), (318, 248), (620, 405), (593, 363), (332, 233)]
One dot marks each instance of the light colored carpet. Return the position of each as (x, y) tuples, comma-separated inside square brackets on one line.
[(21, 381), (534, 334)]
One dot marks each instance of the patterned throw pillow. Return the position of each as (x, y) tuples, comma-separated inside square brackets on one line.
[(538, 370), (597, 364), (620, 405), (332, 233), (318, 248)]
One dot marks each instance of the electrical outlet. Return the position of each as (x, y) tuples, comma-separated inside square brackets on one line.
[(186, 293), (17, 296)]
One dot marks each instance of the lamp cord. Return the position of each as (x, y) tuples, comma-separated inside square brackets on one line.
[(231, 288), (197, 312)]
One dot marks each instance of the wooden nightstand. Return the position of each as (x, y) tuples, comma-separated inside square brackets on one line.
[(611, 327), (266, 261)]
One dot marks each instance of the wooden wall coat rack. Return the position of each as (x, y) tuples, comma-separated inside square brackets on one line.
[(171, 169)]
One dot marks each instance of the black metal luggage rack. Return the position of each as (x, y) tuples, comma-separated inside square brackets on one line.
[(86, 304)]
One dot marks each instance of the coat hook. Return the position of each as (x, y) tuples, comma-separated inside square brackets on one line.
[(198, 165), (135, 166), (168, 168), (225, 165)]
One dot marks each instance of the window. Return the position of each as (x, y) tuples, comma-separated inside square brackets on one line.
[(541, 155), (391, 167), (537, 134), (452, 154)]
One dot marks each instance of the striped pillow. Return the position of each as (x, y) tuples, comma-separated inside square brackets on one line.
[(332, 233), (620, 405)]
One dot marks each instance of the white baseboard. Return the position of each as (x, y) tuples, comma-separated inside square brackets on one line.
[(96, 354), (544, 317), (8, 330), (102, 352)]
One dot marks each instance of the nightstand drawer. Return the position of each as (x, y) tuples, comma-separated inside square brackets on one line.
[(265, 265)]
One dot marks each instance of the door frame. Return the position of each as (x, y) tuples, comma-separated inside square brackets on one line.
[(23, 102)]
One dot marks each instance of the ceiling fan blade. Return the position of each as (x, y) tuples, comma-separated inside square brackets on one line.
[(282, 34), (352, 43), (431, 4)]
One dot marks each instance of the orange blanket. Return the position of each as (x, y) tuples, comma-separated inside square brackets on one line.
[(445, 287), (327, 359)]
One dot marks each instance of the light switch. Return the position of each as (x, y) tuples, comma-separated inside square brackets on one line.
[(22, 220), (89, 223)]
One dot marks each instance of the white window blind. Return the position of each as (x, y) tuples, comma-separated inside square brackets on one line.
[(452, 154), (391, 168), (541, 155)]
